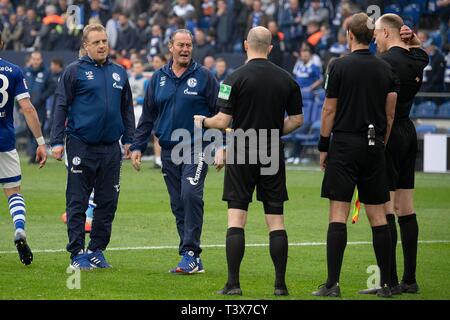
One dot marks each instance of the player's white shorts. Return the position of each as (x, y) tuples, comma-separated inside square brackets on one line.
[(10, 173), (137, 114)]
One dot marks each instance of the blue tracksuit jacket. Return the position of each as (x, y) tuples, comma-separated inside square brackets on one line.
[(170, 103), (97, 102)]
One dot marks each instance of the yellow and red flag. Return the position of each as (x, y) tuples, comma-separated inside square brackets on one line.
[(356, 209)]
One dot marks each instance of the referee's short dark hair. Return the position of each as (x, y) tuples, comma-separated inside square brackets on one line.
[(362, 27)]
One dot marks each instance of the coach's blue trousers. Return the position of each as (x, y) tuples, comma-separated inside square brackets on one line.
[(91, 167), (185, 184)]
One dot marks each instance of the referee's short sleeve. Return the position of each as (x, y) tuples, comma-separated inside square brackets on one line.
[(227, 93), (420, 56), (332, 81)]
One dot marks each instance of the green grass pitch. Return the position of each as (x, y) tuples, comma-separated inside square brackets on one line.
[(144, 219)]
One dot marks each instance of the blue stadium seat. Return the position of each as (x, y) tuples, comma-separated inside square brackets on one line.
[(402, 3), (307, 110), (411, 13), (426, 109), (312, 138), (393, 8), (320, 94), (422, 4), (436, 36), (309, 141), (316, 111), (426, 128), (412, 111), (444, 111)]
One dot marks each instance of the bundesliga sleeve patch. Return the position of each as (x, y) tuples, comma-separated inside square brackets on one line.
[(224, 92)]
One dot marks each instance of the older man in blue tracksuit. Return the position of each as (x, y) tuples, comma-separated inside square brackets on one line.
[(177, 92), (95, 97)]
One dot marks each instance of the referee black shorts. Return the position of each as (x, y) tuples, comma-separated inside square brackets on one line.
[(401, 153), (352, 162), (241, 180)]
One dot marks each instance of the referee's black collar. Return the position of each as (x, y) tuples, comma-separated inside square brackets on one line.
[(257, 59), (362, 51), (397, 48)]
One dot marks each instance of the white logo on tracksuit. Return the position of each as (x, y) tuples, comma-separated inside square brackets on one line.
[(194, 181)]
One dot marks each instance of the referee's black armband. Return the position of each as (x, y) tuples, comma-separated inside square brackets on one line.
[(324, 144)]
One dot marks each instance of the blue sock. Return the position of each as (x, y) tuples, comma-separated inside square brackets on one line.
[(17, 210), (91, 207), (90, 212)]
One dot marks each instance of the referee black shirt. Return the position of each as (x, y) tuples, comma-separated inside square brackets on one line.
[(258, 95), (408, 65), (361, 83)]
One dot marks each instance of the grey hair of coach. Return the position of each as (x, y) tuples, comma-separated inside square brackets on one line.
[(186, 31)]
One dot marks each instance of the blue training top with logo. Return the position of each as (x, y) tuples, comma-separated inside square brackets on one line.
[(12, 86)]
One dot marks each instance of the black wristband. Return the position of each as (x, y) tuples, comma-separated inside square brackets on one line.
[(324, 144), (203, 122)]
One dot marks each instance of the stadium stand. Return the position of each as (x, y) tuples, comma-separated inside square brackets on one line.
[(45, 25), (426, 128)]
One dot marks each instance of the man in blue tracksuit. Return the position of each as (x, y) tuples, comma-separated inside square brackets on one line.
[(95, 97), (177, 92), (41, 87)]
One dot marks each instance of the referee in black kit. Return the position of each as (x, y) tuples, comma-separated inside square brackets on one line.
[(361, 93), (408, 61), (256, 96)]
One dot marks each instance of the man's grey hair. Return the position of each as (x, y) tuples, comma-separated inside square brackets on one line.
[(185, 31)]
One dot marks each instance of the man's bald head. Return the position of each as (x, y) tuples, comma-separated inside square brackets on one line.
[(387, 31), (391, 21), (259, 39)]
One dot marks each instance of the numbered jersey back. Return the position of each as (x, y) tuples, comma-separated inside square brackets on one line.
[(12, 86)]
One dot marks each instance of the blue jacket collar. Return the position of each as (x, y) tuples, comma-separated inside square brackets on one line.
[(88, 59), (167, 69), (33, 71)]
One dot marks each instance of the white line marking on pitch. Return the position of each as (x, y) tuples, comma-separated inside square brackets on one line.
[(298, 244)]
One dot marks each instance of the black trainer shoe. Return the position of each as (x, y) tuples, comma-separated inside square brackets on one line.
[(234, 290), (409, 288), (334, 291), (384, 292), (25, 254), (396, 290), (281, 291)]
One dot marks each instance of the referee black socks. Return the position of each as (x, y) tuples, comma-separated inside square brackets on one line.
[(235, 247), (409, 232), (278, 246), (382, 245), (336, 243), (390, 217)]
